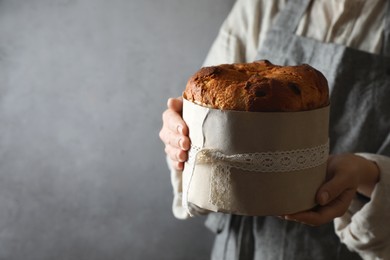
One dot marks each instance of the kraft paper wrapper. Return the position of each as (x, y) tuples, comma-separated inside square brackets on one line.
[(235, 132)]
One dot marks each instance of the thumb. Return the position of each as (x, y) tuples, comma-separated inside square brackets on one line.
[(176, 104), (332, 189)]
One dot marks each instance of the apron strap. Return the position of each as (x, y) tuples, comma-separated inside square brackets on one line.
[(288, 19), (386, 33)]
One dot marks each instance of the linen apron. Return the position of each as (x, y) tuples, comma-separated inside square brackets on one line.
[(359, 85)]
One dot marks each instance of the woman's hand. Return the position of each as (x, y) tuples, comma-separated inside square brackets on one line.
[(346, 174), (174, 133)]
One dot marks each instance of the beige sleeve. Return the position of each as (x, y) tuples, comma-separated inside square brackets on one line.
[(177, 209), (176, 181), (364, 228)]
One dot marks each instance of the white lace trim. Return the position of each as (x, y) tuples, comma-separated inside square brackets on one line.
[(220, 186), (279, 161)]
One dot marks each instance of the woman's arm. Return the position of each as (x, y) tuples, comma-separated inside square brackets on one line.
[(361, 224), (346, 175)]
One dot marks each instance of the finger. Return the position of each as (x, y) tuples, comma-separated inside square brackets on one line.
[(333, 188), (175, 104), (173, 139), (185, 143), (174, 122), (325, 214), (178, 165), (175, 154)]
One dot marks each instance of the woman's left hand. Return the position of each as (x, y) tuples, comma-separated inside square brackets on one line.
[(346, 174)]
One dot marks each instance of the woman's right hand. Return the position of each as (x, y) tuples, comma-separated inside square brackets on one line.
[(174, 133)]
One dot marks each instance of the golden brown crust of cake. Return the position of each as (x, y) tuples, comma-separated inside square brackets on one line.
[(259, 86)]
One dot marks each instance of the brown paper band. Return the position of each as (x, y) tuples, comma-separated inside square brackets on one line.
[(225, 142)]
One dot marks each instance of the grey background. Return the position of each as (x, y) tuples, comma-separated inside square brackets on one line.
[(82, 88)]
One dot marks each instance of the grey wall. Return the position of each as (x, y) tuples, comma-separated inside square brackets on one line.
[(83, 84)]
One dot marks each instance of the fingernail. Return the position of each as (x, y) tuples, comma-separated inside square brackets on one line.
[(179, 166), (184, 145), (178, 156), (181, 157), (324, 197), (287, 217), (181, 143), (180, 129)]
